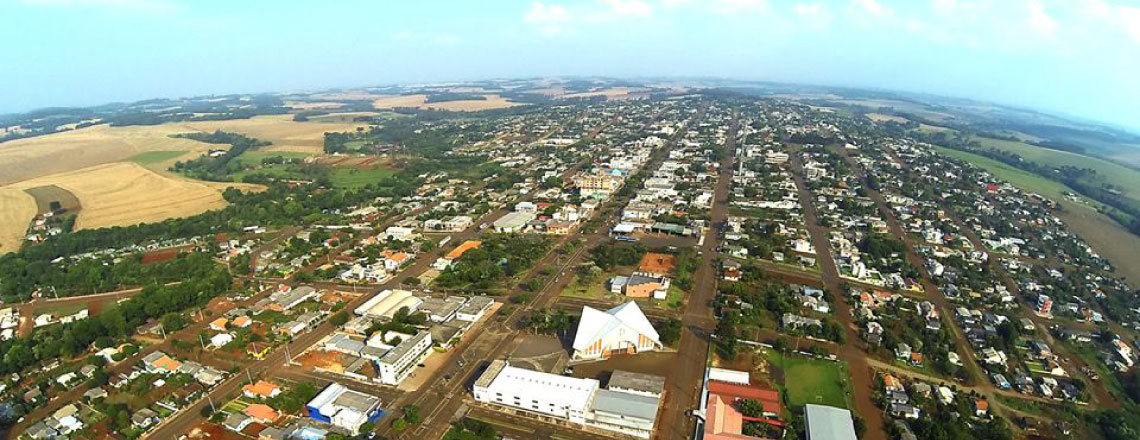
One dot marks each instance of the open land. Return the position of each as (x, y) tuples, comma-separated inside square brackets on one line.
[(19, 208), (123, 193), (47, 194), (493, 101), (879, 117)]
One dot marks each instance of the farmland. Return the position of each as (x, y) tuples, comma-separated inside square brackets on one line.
[(47, 194), (420, 101), (879, 117), (19, 208), (1127, 180), (126, 193)]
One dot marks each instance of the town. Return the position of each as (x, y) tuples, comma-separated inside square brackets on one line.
[(684, 265)]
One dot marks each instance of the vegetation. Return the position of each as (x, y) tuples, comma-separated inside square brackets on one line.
[(500, 257)]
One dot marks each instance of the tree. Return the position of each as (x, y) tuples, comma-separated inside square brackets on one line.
[(412, 414), (670, 331), (339, 319)]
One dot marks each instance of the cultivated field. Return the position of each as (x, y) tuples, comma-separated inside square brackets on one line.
[(126, 193), (312, 105), (18, 208), (47, 194), (286, 135), (1127, 179), (879, 117), (24, 159), (610, 93), (493, 101)]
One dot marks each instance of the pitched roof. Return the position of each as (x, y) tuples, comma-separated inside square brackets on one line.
[(261, 388), (461, 249), (261, 412), (595, 323)]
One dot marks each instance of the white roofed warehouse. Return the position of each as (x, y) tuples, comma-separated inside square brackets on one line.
[(622, 329)]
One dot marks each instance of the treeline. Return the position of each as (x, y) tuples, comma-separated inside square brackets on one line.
[(217, 169), (448, 96), (150, 118), (21, 275), (67, 340)]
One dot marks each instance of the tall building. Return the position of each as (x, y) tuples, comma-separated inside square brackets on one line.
[(1044, 304)]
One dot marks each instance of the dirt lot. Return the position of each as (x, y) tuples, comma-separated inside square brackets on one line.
[(492, 102), (123, 193), (18, 209)]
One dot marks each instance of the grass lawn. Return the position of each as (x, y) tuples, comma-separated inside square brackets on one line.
[(356, 178), (808, 380), (62, 310), (151, 157), (595, 290), (674, 298), (278, 171)]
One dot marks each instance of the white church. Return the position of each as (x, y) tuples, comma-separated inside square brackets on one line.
[(622, 329)]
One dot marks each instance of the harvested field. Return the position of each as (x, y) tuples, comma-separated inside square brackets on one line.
[(29, 158), (312, 105), (610, 93), (18, 209), (285, 134), (879, 117), (493, 101), (47, 194), (125, 193)]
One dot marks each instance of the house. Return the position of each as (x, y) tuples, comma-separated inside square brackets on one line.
[(261, 390), (242, 322), (221, 339), (344, 408), (474, 308), (892, 383), (904, 411), (261, 413), (159, 362), (981, 408), (622, 329), (144, 418), (219, 325), (237, 422), (798, 322)]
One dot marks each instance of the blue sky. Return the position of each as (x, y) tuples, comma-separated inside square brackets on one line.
[(1077, 57)]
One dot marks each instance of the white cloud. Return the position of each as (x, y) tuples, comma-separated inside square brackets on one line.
[(731, 7), (872, 7), (622, 9), (135, 5), (1039, 20), (814, 14), (548, 19)]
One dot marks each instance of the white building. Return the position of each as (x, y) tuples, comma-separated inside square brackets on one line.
[(550, 394), (344, 408), (399, 361), (621, 329)]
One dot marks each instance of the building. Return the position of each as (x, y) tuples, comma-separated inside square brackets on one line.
[(636, 383), (633, 414), (828, 423), (723, 421), (385, 304), (549, 394), (344, 408), (395, 365), (640, 286), (474, 308), (1044, 305), (261, 390), (622, 329), (513, 222)]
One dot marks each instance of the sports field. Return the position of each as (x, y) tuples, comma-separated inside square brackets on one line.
[(808, 380)]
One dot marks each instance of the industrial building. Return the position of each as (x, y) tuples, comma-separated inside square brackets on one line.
[(344, 408), (828, 423)]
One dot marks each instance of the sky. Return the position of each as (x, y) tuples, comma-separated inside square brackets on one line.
[(1073, 57)]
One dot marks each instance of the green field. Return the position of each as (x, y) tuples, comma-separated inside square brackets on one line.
[(356, 178), (278, 171), (254, 157), (808, 380), (1022, 179), (151, 157), (1127, 179)]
